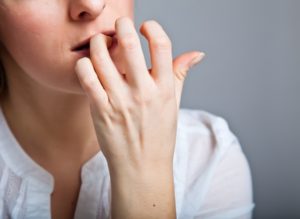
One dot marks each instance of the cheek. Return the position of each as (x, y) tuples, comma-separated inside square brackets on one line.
[(130, 4), (27, 35), (34, 41), (125, 7), (24, 29)]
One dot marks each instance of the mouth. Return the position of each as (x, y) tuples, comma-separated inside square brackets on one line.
[(84, 46)]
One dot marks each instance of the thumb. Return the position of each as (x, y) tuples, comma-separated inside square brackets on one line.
[(181, 66), (183, 63)]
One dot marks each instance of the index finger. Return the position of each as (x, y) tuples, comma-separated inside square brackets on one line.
[(106, 70)]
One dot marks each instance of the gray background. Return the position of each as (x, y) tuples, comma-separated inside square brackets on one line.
[(250, 77)]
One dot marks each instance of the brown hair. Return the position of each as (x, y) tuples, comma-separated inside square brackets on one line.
[(3, 80), (3, 85)]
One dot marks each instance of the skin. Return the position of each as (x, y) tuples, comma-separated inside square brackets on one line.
[(110, 93)]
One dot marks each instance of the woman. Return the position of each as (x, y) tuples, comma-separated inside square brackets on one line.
[(87, 131)]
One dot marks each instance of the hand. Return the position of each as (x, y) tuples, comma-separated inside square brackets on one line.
[(181, 65), (135, 116)]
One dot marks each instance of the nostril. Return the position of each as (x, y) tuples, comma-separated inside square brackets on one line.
[(82, 14)]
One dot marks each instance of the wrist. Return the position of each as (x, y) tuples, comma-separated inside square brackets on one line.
[(143, 193)]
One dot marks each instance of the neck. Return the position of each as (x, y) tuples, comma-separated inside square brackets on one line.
[(49, 124)]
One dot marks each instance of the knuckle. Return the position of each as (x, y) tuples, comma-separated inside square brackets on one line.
[(117, 104), (142, 99), (130, 41), (162, 43)]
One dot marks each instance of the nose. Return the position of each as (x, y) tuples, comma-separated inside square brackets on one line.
[(85, 10)]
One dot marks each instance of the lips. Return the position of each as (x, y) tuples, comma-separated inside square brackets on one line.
[(82, 46), (85, 44)]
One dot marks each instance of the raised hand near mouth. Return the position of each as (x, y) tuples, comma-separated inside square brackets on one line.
[(135, 116)]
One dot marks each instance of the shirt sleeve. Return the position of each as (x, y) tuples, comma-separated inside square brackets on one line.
[(230, 192)]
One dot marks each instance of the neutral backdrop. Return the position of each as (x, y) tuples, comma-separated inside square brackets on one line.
[(251, 77)]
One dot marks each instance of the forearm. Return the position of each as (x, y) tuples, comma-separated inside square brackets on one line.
[(143, 194)]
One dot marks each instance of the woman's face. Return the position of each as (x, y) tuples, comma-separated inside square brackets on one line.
[(38, 35)]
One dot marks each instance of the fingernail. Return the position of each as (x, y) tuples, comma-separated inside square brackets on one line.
[(196, 60)]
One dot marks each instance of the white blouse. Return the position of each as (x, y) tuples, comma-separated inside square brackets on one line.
[(211, 175)]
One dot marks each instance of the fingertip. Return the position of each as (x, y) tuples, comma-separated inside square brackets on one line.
[(152, 22), (80, 63), (96, 40), (124, 20), (89, 81), (196, 59), (200, 53)]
